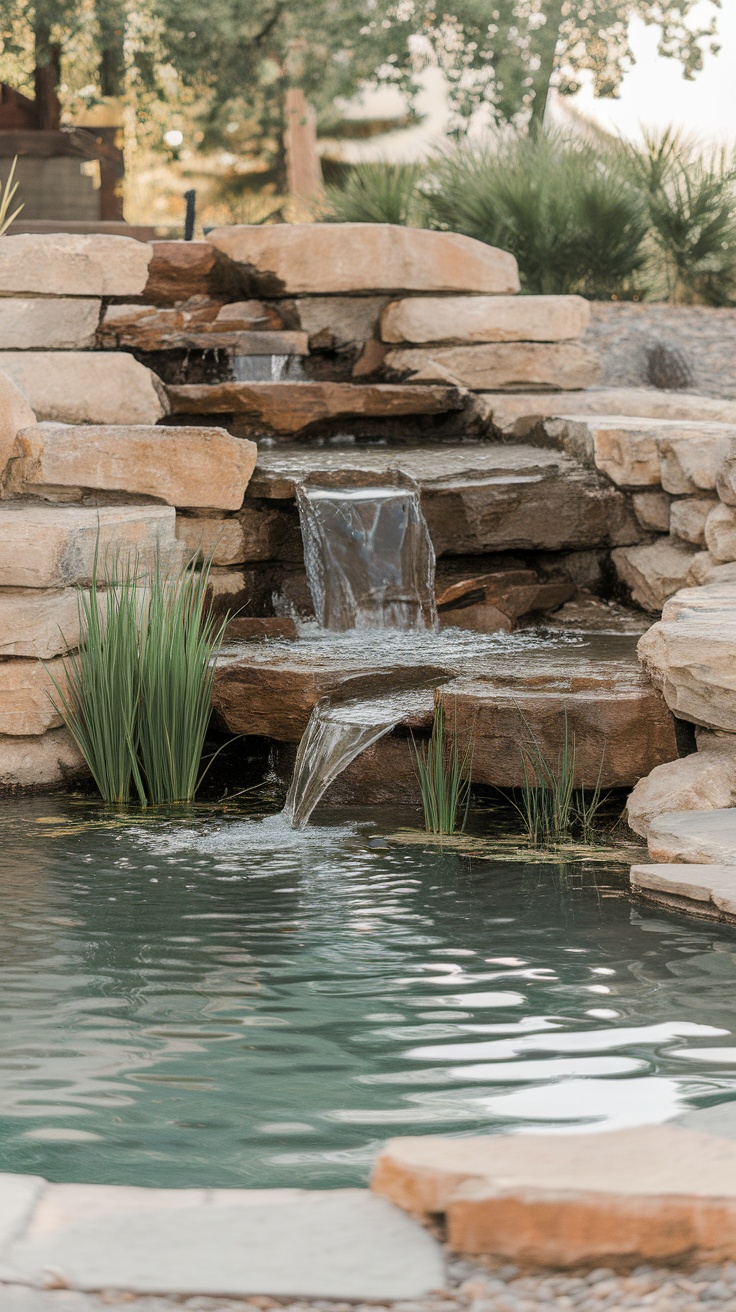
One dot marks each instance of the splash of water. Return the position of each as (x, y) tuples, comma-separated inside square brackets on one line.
[(266, 368), (335, 736), (369, 557)]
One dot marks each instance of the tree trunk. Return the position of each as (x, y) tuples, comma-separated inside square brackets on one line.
[(46, 76), (547, 37)]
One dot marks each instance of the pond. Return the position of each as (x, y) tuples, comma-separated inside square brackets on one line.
[(215, 1000)]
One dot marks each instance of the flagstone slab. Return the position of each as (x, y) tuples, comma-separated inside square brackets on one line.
[(40, 623), (39, 323), (28, 696), (706, 890), (341, 1243), (73, 264), (15, 413), (520, 413), (420, 319), (695, 837), (499, 365)]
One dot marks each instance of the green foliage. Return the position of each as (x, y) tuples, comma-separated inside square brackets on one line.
[(444, 775), (136, 696), (566, 209), (7, 192), (690, 196), (552, 809), (378, 192)]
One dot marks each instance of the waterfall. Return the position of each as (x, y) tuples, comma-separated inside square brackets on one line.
[(369, 557), (266, 368), (336, 734)]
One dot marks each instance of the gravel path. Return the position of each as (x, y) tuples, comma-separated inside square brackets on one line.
[(472, 1287)]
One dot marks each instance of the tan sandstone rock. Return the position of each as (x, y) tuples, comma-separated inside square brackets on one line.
[(26, 693), (691, 655), (257, 533), (705, 569), (688, 516), (702, 781), (653, 571), (34, 622), (15, 413), (702, 890), (520, 413), (55, 546), (691, 462), (180, 270), (334, 321), (66, 264), (720, 533), (38, 323), (485, 319), (182, 466), (43, 761), (86, 387), (652, 509), (624, 449), (279, 259), (499, 365)]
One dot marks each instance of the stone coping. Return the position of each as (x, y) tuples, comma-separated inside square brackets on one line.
[(700, 890), (340, 1243), (694, 837)]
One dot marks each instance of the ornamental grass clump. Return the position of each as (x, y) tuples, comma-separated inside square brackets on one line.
[(378, 191), (444, 775), (552, 809), (136, 696)]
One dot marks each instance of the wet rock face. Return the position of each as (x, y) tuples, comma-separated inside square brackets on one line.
[(245, 327), (303, 259), (181, 269)]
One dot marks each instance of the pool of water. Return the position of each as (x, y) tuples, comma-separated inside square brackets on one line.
[(214, 1000)]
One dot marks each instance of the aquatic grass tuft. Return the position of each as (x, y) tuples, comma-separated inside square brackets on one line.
[(444, 775), (552, 809), (136, 696)]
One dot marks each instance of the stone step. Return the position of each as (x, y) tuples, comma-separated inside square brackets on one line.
[(475, 497), (519, 414), (498, 365), (186, 467), (701, 890), (421, 319), (691, 655), (86, 387), (299, 258), (55, 546), (683, 456), (655, 1193), (621, 727), (293, 407), (695, 837)]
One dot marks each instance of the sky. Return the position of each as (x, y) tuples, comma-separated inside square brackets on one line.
[(654, 94)]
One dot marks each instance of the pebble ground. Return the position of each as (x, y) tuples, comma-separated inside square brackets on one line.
[(471, 1287)]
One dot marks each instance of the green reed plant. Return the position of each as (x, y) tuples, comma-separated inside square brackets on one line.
[(552, 809), (444, 774), (136, 696), (378, 191), (7, 192)]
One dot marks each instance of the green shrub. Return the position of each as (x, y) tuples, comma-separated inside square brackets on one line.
[(378, 192), (567, 210), (136, 696), (444, 775)]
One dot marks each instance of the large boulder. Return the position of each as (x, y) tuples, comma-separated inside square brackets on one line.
[(87, 387), (57, 546), (499, 365), (422, 319), (37, 323), (182, 466), (653, 571), (46, 760), (73, 264), (303, 258), (15, 413)]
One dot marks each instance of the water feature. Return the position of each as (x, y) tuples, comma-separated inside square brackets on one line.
[(266, 368), (220, 1000)]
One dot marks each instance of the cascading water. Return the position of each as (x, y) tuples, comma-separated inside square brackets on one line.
[(370, 564), (369, 557), (266, 368)]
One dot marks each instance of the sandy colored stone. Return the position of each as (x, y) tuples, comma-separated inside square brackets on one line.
[(26, 690), (198, 324), (15, 413), (256, 533), (485, 319), (492, 602), (86, 387), (704, 781), (34, 622), (278, 259), (182, 466), (636, 1195), (45, 760), (705, 569), (688, 518), (66, 264), (498, 365), (701, 889), (249, 316), (692, 462), (652, 510), (622, 448), (54, 546), (334, 321), (726, 475), (691, 655), (519, 414), (653, 571), (267, 628), (720, 533), (694, 837), (290, 407), (39, 323)]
